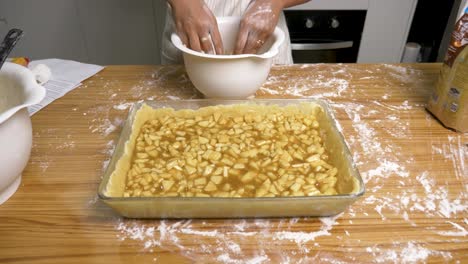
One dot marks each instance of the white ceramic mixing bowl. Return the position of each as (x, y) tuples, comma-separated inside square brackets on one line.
[(230, 76), (18, 90)]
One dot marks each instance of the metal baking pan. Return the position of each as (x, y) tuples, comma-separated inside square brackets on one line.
[(349, 182)]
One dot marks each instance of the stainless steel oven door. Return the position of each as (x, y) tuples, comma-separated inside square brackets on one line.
[(323, 52), (321, 36), (322, 46)]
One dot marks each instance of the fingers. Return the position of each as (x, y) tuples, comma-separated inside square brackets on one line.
[(242, 36), (194, 41), (250, 37), (248, 42), (202, 38), (253, 44), (216, 38), (257, 24), (181, 33), (206, 44), (210, 42), (196, 26)]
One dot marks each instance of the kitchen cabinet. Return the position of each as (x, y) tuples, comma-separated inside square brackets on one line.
[(333, 5), (119, 31), (385, 30), (52, 28), (102, 32)]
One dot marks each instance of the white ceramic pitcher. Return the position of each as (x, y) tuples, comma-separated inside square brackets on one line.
[(18, 90)]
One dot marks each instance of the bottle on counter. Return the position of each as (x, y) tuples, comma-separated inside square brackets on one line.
[(449, 100)]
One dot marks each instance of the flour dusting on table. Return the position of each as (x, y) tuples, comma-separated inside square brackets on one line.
[(108, 151), (411, 253), (225, 242), (171, 79), (381, 158)]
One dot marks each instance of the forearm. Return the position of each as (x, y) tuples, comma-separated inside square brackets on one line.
[(183, 3)]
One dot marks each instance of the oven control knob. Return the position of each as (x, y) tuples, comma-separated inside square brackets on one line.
[(309, 23), (334, 23)]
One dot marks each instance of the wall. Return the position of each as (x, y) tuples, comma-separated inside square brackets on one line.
[(385, 30), (102, 32)]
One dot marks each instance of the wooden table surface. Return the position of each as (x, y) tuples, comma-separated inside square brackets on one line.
[(415, 170)]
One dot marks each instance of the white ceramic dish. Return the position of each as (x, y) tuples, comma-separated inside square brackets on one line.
[(18, 90), (229, 76)]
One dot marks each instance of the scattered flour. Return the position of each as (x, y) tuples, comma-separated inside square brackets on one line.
[(304, 86), (122, 106), (460, 231), (107, 151), (402, 74), (303, 237), (226, 242), (226, 258), (66, 145), (93, 201), (317, 85), (380, 157), (105, 126), (44, 165), (410, 253), (170, 97)]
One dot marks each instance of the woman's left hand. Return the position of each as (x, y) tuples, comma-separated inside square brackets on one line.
[(257, 24)]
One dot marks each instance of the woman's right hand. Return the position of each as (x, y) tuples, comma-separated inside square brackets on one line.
[(196, 26)]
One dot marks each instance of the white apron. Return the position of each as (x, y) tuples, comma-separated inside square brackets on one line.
[(221, 8)]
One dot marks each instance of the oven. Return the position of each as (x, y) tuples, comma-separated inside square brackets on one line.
[(321, 36)]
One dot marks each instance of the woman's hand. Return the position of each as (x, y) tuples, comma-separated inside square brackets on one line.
[(257, 24), (196, 26)]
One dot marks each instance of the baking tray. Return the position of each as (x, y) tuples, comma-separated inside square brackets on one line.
[(349, 179)]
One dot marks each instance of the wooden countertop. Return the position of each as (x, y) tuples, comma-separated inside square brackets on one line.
[(416, 173)]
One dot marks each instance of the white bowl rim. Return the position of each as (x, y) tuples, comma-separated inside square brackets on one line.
[(35, 91), (274, 50)]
